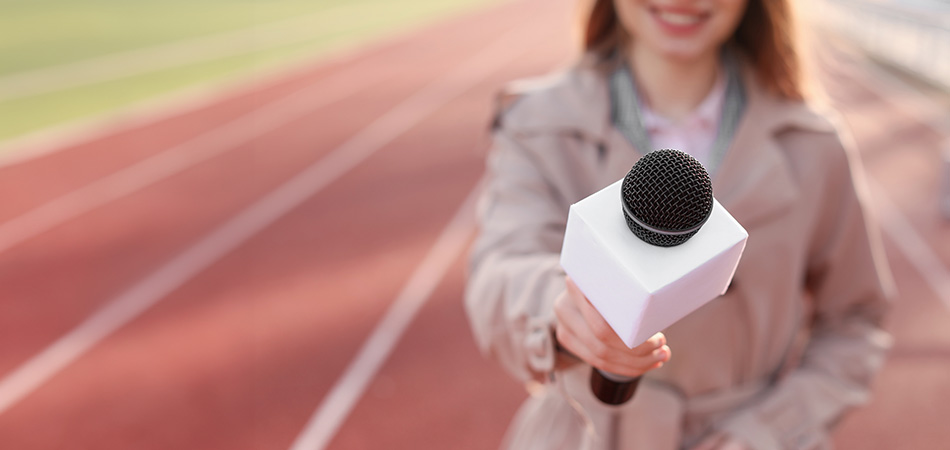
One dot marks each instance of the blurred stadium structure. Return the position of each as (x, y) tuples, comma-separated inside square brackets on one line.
[(913, 35)]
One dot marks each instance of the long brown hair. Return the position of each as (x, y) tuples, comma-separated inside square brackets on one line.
[(765, 36)]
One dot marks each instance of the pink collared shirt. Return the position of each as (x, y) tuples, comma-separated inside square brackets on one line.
[(696, 133)]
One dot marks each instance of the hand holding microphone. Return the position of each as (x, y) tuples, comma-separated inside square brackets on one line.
[(632, 272), (582, 331)]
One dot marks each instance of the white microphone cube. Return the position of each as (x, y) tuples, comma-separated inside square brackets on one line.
[(640, 288)]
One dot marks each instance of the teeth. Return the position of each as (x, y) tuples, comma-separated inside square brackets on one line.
[(679, 19)]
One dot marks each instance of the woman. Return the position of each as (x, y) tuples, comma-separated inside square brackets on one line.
[(794, 342)]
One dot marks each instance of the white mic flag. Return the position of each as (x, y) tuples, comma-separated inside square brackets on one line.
[(640, 288)]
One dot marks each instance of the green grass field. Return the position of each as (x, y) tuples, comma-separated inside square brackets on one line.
[(51, 35)]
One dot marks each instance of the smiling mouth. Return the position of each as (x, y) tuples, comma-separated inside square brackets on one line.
[(679, 18)]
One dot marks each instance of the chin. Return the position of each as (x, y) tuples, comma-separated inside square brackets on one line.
[(684, 52)]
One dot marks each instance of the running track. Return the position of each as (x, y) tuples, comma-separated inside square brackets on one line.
[(237, 257)]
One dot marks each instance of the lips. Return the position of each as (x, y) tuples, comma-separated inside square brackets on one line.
[(679, 21)]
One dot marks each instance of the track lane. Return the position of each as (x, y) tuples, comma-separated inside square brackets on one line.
[(437, 391), (281, 293), (210, 343), (897, 134), (96, 256), (908, 407), (431, 49), (302, 320)]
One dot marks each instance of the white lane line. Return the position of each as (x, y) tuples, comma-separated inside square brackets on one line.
[(176, 159), (847, 59), (342, 397), (221, 241), (181, 53), (893, 221), (914, 246)]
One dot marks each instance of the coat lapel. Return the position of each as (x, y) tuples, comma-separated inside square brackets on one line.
[(754, 181)]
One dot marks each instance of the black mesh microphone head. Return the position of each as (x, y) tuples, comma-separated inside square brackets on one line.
[(667, 196)]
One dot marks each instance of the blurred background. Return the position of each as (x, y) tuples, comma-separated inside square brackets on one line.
[(241, 224)]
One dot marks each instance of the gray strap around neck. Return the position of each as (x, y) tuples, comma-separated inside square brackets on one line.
[(625, 111)]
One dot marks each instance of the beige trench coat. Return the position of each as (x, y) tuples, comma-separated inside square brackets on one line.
[(775, 361)]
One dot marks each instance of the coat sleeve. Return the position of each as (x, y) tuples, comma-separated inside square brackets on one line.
[(850, 284), (514, 269)]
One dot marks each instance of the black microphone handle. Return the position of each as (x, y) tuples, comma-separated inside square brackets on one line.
[(613, 389)]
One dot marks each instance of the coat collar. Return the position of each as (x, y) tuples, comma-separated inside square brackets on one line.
[(572, 101), (754, 180)]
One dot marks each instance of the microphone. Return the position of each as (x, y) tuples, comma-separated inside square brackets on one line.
[(666, 198), (669, 249)]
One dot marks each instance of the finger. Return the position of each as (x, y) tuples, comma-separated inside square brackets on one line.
[(661, 354), (573, 344), (630, 370), (576, 336), (613, 355), (574, 324), (618, 362), (627, 367), (572, 332), (597, 355), (579, 349), (644, 362), (655, 342), (601, 330), (595, 322)]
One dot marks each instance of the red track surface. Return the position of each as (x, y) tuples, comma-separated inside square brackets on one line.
[(242, 355)]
